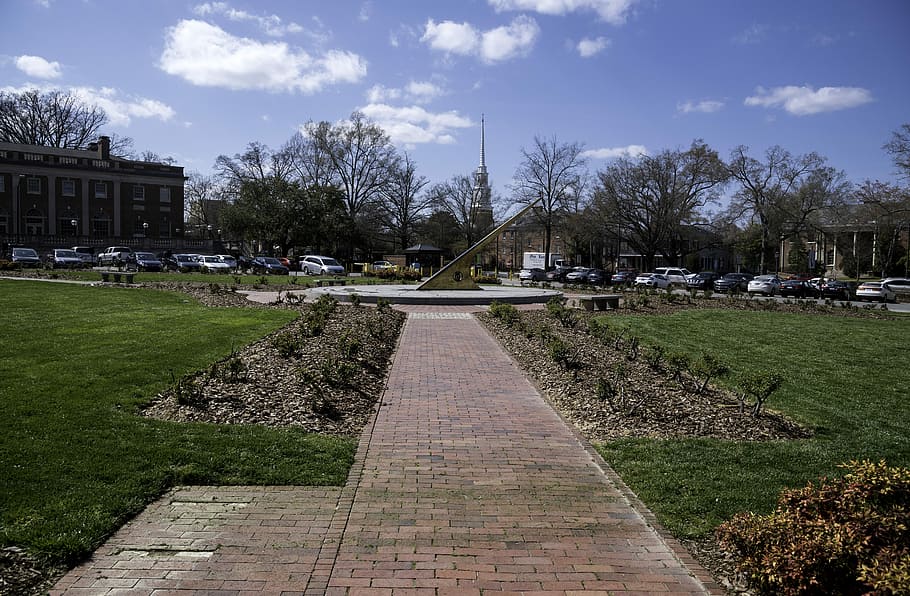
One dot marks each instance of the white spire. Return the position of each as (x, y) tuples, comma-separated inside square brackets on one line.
[(482, 156)]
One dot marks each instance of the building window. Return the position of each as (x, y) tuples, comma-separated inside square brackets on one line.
[(34, 186), (138, 193), (2, 183), (34, 223), (164, 228), (100, 190), (164, 195), (4, 223), (68, 187), (101, 227)]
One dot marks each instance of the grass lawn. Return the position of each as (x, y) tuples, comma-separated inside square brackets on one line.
[(75, 459), (848, 379)]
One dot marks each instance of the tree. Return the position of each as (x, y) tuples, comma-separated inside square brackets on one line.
[(764, 186), (308, 154), (52, 119), (402, 206), (887, 207), (200, 196), (256, 164), (456, 198), (650, 200), (899, 149), (554, 173)]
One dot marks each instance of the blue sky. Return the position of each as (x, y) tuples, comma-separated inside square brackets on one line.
[(194, 80)]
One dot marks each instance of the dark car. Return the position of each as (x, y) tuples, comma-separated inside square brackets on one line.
[(702, 281), (798, 288), (624, 277), (578, 275), (184, 263), (839, 290), (732, 282), (146, 261), (558, 274), (598, 277), (26, 257), (268, 266)]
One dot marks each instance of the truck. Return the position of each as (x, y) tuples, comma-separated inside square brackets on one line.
[(535, 260), (115, 256)]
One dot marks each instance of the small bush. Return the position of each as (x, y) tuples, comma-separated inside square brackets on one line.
[(288, 344), (557, 309), (848, 535), (759, 386), (507, 313)]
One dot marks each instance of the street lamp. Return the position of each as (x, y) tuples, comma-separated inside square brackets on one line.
[(73, 223), (145, 228)]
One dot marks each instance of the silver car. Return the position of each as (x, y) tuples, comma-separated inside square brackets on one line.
[(320, 265)]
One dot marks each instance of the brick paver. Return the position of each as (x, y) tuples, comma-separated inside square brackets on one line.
[(467, 482)]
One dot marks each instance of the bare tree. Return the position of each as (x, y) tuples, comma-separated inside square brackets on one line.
[(362, 158), (200, 192), (764, 186), (257, 163), (456, 198), (552, 172), (309, 155), (402, 206), (53, 119), (899, 149), (650, 200), (887, 207)]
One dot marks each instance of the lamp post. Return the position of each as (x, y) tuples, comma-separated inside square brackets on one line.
[(74, 223), (145, 228)]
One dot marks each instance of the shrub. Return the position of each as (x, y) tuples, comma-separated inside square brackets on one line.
[(848, 535), (760, 386), (507, 313), (706, 368), (288, 344), (557, 309)]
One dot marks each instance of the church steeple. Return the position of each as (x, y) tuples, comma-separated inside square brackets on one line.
[(482, 204)]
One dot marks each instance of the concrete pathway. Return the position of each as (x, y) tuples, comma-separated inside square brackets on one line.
[(467, 482)]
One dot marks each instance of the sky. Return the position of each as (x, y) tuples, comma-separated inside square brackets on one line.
[(194, 80)]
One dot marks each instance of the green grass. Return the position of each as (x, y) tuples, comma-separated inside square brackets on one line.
[(848, 380), (75, 459)]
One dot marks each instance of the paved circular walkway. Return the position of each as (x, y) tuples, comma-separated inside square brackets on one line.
[(466, 482)]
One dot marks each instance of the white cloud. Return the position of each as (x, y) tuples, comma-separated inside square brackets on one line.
[(515, 39), (38, 67), (611, 11), (366, 11), (614, 152), (415, 91), (754, 34), (705, 107), (502, 43), (413, 125), (206, 55), (271, 24), (120, 108), (805, 101), (451, 37), (589, 47)]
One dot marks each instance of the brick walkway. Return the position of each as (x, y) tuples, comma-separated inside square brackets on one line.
[(467, 483)]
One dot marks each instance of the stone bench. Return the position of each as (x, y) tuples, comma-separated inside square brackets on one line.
[(601, 302), (330, 282), (117, 276)]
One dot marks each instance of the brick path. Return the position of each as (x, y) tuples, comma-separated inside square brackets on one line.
[(467, 483)]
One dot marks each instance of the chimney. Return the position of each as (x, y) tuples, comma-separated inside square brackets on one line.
[(104, 147)]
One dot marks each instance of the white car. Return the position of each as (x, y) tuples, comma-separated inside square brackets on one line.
[(652, 280), (230, 261), (875, 290), (534, 274), (319, 265), (678, 276), (212, 264), (768, 285)]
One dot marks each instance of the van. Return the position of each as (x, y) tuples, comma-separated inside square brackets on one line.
[(678, 276)]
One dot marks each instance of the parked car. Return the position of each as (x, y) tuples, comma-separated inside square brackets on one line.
[(263, 265), (652, 280), (732, 282), (228, 260), (63, 258), (87, 254), (147, 261), (382, 265), (287, 262), (839, 290), (900, 285), (578, 275), (320, 265), (678, 276), (212, 264), (115, 255), (534, 274), (876, 290), (702, 281), (558, 273), (767, 285), (26, 257), (798, 288), (598, 277), (624, 277), (184, 263)]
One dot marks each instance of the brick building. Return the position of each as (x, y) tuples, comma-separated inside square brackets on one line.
[(58, 197)]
